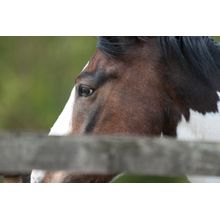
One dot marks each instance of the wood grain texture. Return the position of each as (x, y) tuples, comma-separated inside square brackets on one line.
[(20, 153)]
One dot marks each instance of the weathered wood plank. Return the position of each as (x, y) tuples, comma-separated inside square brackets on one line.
[(108, 154)]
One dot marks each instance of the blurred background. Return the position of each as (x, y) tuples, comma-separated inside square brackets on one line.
[(36, 78)]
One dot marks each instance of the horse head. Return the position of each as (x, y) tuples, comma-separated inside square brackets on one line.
[(150, 86)]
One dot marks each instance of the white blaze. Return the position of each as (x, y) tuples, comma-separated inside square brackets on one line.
[(201, 128), (63, 124), (85, 66), (61, 127)]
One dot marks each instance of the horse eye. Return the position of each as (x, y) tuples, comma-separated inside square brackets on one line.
[(85, 91)]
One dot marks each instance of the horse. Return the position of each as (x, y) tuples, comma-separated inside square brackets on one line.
[(148, 86)]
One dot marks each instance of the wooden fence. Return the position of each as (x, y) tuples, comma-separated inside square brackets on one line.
[(20, 153)]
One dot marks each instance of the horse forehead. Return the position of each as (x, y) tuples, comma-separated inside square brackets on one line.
[(100, 61)]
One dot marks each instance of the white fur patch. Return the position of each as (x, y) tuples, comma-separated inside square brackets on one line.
[(85, 66), (201, 128), (63, 124), (37, 176)]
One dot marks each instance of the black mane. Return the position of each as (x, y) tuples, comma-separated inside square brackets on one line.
[(200, 55)]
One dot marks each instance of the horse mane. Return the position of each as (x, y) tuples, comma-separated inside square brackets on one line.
[(198, 55)]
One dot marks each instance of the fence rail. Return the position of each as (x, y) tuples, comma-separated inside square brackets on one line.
[(108, 154)]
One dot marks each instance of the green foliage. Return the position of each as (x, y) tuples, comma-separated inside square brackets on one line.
[(217, 38), (37, 75)]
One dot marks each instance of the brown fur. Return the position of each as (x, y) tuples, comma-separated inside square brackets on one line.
[(124, 96), (124, 103)]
